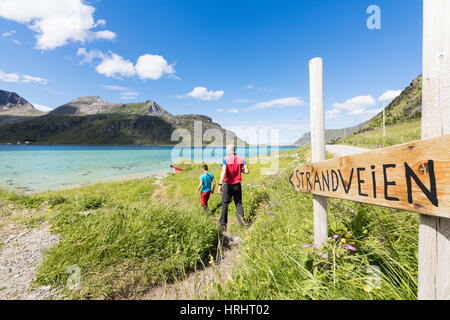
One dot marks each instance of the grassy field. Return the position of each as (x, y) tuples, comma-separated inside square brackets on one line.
[(395, 134), (124, 243)]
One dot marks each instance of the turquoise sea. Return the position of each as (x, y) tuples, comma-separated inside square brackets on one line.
[(32, 168)]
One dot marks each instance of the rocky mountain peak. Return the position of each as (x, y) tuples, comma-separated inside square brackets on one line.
[(155, 108), (9, 100)]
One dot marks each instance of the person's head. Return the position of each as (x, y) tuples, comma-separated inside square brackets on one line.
[(205, 167), (231, 149)]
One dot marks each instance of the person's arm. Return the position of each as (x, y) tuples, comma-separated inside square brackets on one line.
[(199, 186), (245, 169), (213, 185), (222, 177)]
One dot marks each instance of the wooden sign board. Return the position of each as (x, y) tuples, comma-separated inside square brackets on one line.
[(412, 176)]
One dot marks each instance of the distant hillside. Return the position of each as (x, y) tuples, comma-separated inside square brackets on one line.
[(406, 107), (90, 120), (14, 108), (331, 135)]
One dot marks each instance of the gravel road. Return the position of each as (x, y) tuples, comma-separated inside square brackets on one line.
[(341, 150)]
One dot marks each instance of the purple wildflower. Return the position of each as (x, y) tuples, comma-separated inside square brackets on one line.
[(336, 236), (314, 245), (351, 210), (305, 246)]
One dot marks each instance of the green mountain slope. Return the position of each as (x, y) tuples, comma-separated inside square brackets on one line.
[(406, 107), (402, 121)]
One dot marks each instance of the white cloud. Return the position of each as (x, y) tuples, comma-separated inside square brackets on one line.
[(389, 95), (9, 77), (331, 114), (279, 103), (364, 113), (9, 33), (115, 66), (17, 42), (89, 55), (357, 108), (125, 93), (14, 77), (152, 67), (356, 103), (148, 66), (202, 93), (228, 110), (114, 88), (42, 107), (104, 34), (31, 79), (56, 22), (129, 95)]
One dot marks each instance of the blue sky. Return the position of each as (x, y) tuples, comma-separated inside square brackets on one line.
[(244, 63)]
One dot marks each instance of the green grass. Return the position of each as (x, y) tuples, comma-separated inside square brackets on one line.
[(124, 251), (395, 134)]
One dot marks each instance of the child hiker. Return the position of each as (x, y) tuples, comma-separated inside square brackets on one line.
[(205, 185)]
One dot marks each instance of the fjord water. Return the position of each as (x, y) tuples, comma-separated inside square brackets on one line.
[(32, 168)]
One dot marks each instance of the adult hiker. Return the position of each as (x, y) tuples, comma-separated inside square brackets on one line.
[(230, 185), (205, 185)]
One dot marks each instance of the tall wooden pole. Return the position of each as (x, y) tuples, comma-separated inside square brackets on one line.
[(434, 233), (318, 145)]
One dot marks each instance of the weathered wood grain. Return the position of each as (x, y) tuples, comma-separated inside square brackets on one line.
[(318, 145), (434, 232)]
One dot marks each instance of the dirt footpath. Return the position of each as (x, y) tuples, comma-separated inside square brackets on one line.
[(21, 252), (199, 284), (341, 150)]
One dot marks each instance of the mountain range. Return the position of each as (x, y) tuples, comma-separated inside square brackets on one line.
[(90, 120)]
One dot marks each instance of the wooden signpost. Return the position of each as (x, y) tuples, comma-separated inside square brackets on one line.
[(413, 176)]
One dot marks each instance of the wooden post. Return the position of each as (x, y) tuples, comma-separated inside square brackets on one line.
[(318, 145), (434, 233)]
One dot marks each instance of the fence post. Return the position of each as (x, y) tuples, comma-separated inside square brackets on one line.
[(318, 145), (434, 233)]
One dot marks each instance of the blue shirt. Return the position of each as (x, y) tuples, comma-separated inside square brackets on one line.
[(206, 180)]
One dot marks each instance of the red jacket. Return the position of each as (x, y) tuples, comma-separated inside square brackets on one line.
[(234, 165)]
